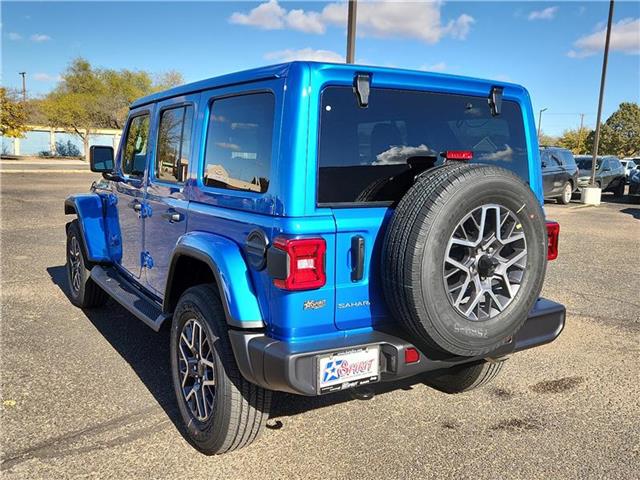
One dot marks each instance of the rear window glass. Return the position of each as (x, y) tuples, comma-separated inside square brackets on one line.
[(381, 147)]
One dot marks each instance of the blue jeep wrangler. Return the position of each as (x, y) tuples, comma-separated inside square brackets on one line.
[(312, 227)]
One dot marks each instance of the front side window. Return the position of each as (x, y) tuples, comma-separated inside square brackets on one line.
[(174, 144), (239, 140), (134, 158), (372, 154)]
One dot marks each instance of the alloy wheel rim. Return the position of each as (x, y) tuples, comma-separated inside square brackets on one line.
[(196, 369), (75, 265), (567, 193), (485, 262)]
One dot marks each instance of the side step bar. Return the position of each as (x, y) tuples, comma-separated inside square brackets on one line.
[(130, 297)]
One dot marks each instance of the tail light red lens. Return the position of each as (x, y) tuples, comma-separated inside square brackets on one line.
[(553, 234), (305, 263), (411, 355)]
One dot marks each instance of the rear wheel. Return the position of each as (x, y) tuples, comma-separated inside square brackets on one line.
[(221, 411), (567, 192), (464, 378), (619, 191), (83, 291)]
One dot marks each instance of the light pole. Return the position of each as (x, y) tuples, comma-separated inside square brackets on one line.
[(596, 140), (24, 86), (351, 31), (540, 122)]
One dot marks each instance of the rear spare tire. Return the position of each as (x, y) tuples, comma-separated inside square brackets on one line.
[(464, 258)]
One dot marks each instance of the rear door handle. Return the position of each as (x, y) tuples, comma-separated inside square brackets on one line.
[(357, 258), (172, 216)]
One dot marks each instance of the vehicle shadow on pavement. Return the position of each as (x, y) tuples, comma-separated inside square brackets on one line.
[(634, 212), (147, 352)]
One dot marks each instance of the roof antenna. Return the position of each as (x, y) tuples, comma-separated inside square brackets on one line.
[(495, 100), (361, 86)]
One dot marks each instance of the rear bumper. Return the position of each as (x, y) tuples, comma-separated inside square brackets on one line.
[(292, 367)]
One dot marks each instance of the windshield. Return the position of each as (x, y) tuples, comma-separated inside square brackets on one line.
[(401, 133), (585, 163)]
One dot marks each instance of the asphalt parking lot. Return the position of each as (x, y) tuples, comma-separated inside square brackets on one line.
[(88, 394)]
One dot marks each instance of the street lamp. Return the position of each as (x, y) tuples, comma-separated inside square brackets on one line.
[(602, 80), (540, 121), (351, 31), (24, 86)]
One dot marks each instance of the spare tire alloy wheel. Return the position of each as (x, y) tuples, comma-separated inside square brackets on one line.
[(464, 258), (197, 372), (485, 262)]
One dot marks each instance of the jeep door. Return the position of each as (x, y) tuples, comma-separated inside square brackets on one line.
[(168, 175), (131, 190)]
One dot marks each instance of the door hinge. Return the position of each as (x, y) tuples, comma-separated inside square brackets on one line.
[(145, 260)]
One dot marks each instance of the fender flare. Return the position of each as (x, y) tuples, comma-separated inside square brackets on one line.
[(90, 212), (224, 258)]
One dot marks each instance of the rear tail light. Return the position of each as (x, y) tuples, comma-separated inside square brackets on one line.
[(302, 263), (553, 234)]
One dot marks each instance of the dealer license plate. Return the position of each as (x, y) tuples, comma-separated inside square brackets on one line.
[(348, 369)]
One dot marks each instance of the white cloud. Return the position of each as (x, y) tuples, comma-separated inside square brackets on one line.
[(289, 55), (625, 37), (40, 37), (548, 13), (45, 77), (309, 22), (14, 36), (385, 19), (436, 67)]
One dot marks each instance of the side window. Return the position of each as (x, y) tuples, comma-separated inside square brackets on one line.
[(134, 157), (174, 144), (555, 160), (568, 158), (239, 138)]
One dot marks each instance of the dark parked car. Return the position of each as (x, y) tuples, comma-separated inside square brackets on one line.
[(609, 173), (629, 164), (559, 173), (634, 184)]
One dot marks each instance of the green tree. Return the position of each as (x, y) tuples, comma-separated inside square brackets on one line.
[(545, 140), (576, 140), (88, 98), (13, 117), (620, 134)]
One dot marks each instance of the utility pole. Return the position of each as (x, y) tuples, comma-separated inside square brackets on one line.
[(596, 140), (351, 31), (24, 86), (540, 122), (580, 133)]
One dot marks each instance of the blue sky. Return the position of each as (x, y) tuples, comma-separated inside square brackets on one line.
[(553, 48)]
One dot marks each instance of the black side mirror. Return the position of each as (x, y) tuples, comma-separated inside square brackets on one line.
[(101, 159)]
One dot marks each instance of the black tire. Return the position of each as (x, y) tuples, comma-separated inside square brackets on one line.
[(83, 291), (619, 191), (414, 253), (464, 378), (371, 190), (239, 409), (567, 193)]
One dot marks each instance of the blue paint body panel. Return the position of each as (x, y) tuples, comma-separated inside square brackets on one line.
[(93, 225), (218, 221), (232, 273)]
